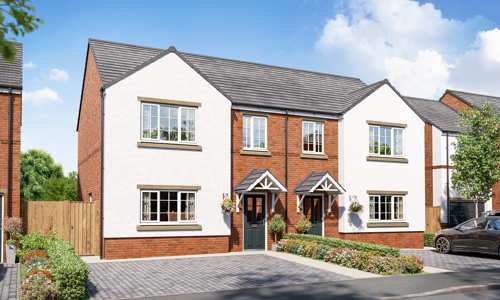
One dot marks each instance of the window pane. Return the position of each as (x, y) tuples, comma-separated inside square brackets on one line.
[(258, 209), (373, 140), (317, 204), (305, 136), (187, 206), (164, 135), (250, 210), (146, 126), (154, 206), (172, 208), (398, 141), (191, 207), (319, 137), (246, 132), (146, 205)]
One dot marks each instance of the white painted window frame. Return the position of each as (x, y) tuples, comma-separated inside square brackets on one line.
[(252, 146), (393, 137), (392, 208), (322, 124), (179, 115), (179, 221)]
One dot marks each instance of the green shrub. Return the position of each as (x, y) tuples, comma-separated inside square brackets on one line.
[(413, 264), (428, 239), (303, 225), (69, 270), (335, 243), (34, 241)]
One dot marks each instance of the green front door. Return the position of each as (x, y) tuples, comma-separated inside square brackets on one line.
[(253, 222), (312, 208)]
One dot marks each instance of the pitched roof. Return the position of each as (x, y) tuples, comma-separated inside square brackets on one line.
[(252, 177), (312, 180), (437, 113), (244, 83), (475, 99), (11, 74)]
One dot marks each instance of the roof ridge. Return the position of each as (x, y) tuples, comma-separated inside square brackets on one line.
[(472, 93), (369, 86), (274, 66), (125, 44)]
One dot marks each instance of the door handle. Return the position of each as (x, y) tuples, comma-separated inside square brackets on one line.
[(71, 226)]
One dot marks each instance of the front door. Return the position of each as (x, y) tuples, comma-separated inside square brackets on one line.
[(312, 208), (253, 223)]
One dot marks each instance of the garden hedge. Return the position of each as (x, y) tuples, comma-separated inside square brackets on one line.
[(428, 239), (69, 270), (335, 243)]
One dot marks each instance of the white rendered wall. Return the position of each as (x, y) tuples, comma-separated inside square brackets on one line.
[(360, 175), (127, 165), (340, 198)]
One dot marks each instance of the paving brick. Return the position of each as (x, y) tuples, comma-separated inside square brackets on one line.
[(457, 261)]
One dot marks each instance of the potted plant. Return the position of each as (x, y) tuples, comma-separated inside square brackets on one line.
[(356, 208), (14, 226), (276, 225), (227, 206), (303, 225)]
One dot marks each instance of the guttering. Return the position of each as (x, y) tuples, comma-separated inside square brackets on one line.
[(448, 178), (102, 168), (9, 157), (286, 171)]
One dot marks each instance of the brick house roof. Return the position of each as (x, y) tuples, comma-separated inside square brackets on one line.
[(437, 113), (11, 74)]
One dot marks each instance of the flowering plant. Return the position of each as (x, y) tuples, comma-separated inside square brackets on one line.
[(227, 206), (37, 286), (12, 225), (356, 208)]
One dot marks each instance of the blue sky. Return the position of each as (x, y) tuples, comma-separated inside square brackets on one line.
[(422, 48)]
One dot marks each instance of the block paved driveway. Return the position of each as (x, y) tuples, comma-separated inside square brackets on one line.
[(8, 281), (457, 261), (111, 280)]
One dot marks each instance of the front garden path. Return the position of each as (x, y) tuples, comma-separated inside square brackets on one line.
[(457, 261), (184, 275), (8, 281)]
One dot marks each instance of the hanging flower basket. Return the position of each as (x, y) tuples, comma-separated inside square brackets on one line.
[(356, 208), (227, 206)]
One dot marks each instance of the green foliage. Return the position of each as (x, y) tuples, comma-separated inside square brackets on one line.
[(71, 188), (34, 241), (303, 225), (335, 243), (428, 239), (11, 242), (477, 153), (69, 270), (53, 189), (276, 225), (37, 166), (22, 23)]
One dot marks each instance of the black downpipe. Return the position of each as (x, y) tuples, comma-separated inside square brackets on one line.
[(9, 163), (286, 171), (102, 168), (448, 178)]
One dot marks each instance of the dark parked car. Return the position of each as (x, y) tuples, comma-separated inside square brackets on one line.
[(477, 235), (490, 213)]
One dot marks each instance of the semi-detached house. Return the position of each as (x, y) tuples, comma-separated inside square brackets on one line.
[(165, 135)]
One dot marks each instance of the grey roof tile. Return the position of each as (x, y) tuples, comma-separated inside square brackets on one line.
[(246, 182), (11, 74), (475, 99), (436, 112), (310, 181)]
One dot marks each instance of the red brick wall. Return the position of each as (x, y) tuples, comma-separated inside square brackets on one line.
[(89, 135), (454, 102), (298, 169), (413, 240), (120, 248), (16, 154), (428, 165)]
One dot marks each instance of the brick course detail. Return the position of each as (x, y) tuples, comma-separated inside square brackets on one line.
[(409, 240)]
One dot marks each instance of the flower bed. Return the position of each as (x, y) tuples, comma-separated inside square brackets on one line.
[(361, 260)]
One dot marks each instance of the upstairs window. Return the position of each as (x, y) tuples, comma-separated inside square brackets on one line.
[(167, 123), (386, 141), (254, 133), (312, 137)]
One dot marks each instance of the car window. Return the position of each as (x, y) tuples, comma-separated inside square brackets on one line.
[(473, 224), (493, 225)]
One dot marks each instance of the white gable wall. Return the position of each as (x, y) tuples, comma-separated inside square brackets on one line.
[(357, 175), (127, 165)]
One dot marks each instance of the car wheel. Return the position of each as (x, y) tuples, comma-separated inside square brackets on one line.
[(443, 245)]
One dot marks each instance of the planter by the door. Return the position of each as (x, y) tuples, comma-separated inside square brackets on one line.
[(274, 246), (11, 254)]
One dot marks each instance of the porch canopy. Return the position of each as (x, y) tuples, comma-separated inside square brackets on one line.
[(259, 181), (319, 182)]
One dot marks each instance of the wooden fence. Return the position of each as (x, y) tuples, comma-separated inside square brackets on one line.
[(432, 218), (76, 222)]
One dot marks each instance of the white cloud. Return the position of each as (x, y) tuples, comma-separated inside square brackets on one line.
[(56, 74), (29, 65), (40, 97), (412, 45)]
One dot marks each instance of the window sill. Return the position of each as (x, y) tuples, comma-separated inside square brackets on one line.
[(254, 152), (168, 227), (168, 146), (313, 156), (387, 159), (388, 224)]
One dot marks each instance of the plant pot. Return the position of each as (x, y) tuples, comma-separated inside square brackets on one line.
[(274, 246), (11, 254)]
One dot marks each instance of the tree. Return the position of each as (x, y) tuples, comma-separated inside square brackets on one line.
[(23, 22), (276, 225), (303, 225), (71, 188), (37, 166), (54, 189), (477, 153)]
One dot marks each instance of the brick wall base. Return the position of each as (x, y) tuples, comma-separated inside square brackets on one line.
[(119, 248), (412, 240)]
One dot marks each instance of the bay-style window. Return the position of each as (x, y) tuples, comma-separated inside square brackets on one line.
[(254, 132), (312, 137), (166, 123), (386, 141), (386, 208), (168, 207)]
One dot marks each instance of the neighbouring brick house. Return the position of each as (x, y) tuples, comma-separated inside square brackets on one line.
[(181, 131), (11, 86)]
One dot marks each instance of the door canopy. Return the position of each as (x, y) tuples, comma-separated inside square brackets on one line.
[(319, 182), (259, 181)]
